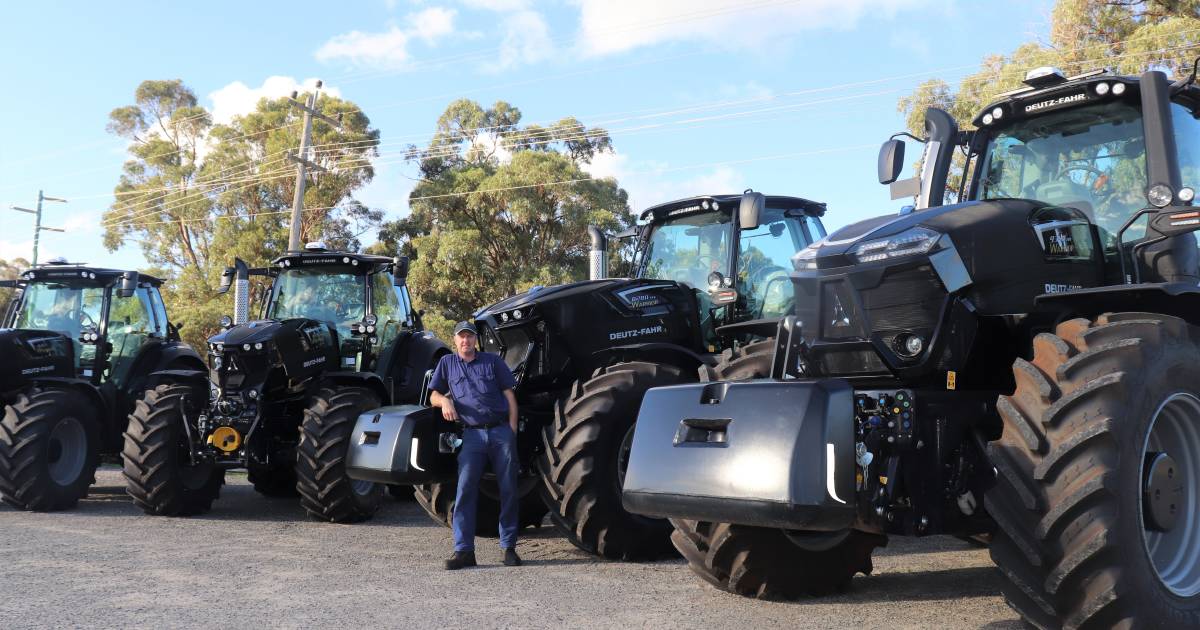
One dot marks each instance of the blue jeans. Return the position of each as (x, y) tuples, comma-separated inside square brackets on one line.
[(499, 445)]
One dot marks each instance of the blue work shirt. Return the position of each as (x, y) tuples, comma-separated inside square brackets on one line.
[(476, 387)]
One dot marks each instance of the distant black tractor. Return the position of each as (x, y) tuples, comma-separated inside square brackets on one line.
[(1024, 364), (708, 274), (80, 347), (339, 336)]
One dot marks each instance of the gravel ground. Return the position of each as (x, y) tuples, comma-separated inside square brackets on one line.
[(258, 562)]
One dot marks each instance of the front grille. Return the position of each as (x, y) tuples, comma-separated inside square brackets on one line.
[(908, 300), (842, 362)]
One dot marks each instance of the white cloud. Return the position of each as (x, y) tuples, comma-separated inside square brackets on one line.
[(17, 249), (650, 182), (237, 98), (610, 26), (432, 24), (526, 39), (497, 5), (389, 49)]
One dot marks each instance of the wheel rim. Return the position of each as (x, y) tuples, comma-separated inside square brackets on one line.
[(623, 458), (67, 451), (1175, 431)]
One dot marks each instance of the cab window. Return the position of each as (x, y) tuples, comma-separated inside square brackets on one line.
[(764, 258), (389, 312)]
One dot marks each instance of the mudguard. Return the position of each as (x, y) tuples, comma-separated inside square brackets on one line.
[(767, 453), (401, 444), (420, 352), (370, 380)]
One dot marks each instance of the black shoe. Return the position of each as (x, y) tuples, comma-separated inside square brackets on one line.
[(511, 559), (460, 560)]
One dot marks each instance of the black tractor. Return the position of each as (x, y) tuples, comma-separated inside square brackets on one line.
[(81, 347), (338, 335), (1023, 366), (708, 275)]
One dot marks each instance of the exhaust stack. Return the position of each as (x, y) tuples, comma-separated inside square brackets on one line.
[(241, 292), (598, 263)]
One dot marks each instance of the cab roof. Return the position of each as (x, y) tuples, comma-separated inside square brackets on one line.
[(727, 203), (64, 272), (1052, 91), (314, 256)]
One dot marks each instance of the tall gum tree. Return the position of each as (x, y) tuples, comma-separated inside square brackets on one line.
[(499, 208), (195, 194), (1125, 36)]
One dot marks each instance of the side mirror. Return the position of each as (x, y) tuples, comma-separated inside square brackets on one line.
[(891, 160), (399, 270), (751, 209), (129, 281), (226, 281)]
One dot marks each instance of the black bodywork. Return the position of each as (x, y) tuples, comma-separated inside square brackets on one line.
[(552, 337), (263, 373), (82, 359), (983, 278)]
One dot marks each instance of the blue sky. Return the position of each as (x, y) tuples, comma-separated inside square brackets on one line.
[(701, 96)]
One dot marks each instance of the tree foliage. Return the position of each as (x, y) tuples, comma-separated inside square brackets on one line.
[(9, 270), (500, 208), (196, 194), (1126, 36)]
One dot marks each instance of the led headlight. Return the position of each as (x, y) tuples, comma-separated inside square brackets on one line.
[(910, 242), (1160, 195), (806, 258)]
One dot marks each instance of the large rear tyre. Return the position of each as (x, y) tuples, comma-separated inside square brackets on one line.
[(327, 493), (1098, 494), (49, 449), (767, 563), (159, 475), (437, 499), (585, 452)]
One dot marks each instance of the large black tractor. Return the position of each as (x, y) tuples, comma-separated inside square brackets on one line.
[(1024, 364), (338, 336), (80, 347), (708, 276)]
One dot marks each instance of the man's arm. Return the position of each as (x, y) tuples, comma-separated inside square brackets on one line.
[(438, 388), (512, 408)]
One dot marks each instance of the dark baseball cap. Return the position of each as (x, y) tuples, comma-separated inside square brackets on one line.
[(468, 326)]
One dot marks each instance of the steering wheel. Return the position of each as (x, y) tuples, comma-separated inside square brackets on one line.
[(86, 319), (1093, 184)]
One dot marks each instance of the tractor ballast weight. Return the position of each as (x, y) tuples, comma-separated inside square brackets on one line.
[(1019, 364)]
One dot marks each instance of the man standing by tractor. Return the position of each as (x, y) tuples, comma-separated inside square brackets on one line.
[(476, 388)]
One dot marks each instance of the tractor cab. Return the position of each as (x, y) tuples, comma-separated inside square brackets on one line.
[(733, 251), (107, 314), (361, 298)]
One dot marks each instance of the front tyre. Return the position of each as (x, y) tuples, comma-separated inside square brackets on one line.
[(765, 562), (159, 474), (49, 449), (327, 493), (1098, 496), (582, 463)]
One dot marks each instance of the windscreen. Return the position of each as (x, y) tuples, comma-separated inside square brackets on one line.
[(1092, 158), (689, 248), (65, 309), (323, 294)]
